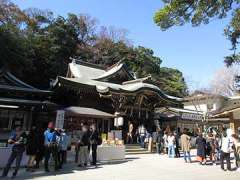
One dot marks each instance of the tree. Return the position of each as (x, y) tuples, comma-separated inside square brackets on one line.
[(36, 46), (197, 12), (172, 81), (224, 81)]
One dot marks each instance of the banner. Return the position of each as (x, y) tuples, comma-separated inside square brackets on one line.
[(60, 119)]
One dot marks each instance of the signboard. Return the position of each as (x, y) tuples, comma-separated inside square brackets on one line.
[(60, 119), (192, 116)]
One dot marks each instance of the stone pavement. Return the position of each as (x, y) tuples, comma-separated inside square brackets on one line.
[(137, 167)]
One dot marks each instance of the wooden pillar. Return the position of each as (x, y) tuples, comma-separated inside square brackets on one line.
[(235, 121), (232, 122)]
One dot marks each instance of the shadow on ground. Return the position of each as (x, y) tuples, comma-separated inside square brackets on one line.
[(67, 169)]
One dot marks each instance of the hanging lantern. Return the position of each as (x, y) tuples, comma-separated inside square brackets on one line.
[(118, 121)]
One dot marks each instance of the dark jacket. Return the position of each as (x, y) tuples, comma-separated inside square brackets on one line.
[(32, 143), (201, 146), (94, 137), (84, 139), (159, 137)]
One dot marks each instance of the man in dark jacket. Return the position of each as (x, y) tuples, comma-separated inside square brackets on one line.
[(83, 147), (159, 141), (94, 141), (19, 140)]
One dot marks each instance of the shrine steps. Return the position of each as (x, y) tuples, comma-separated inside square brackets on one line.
[(135, 149)]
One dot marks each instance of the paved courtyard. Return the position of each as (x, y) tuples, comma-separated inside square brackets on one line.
[(137, 167)]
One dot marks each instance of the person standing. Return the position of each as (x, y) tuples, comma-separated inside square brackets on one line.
[(18, 139), (235, 150), (59, 145), (51, 147), (225, 151), (142, 135), (94, 142), (41, 148), (211, 147), (165, 141), (32, 148), (201, 149), (217, 147), (171, 145), (177, 153), (130, 133), (77, 145), (64, 144), (83, 147), (186, 145), (159, 141)]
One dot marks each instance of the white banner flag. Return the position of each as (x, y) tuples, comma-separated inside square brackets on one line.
[(60, 119)]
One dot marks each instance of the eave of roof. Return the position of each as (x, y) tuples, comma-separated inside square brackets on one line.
[(178, 110), (202, 97), (24, 102), (20, 89), (18, 85), (225, 112), (105, 87), (87, 112)]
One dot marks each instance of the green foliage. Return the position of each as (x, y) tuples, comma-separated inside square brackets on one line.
[(36, 46), (146, 63), (197, 12), (172, 81)]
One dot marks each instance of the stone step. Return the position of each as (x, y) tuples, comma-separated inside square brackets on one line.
[(130, 146), (137, 150), (140, 152), (131, 149)]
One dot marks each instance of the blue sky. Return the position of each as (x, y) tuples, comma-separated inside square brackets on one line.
[(197, 52)]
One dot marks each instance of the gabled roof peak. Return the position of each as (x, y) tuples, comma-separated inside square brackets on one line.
[(78, 69), (84, 63)]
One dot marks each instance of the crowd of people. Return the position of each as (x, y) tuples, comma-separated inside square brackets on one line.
[(215, 147), (212, 147), (53, 142)]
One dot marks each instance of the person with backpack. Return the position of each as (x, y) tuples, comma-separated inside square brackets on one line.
[(51, 146), (95, 140), (18, 139)]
